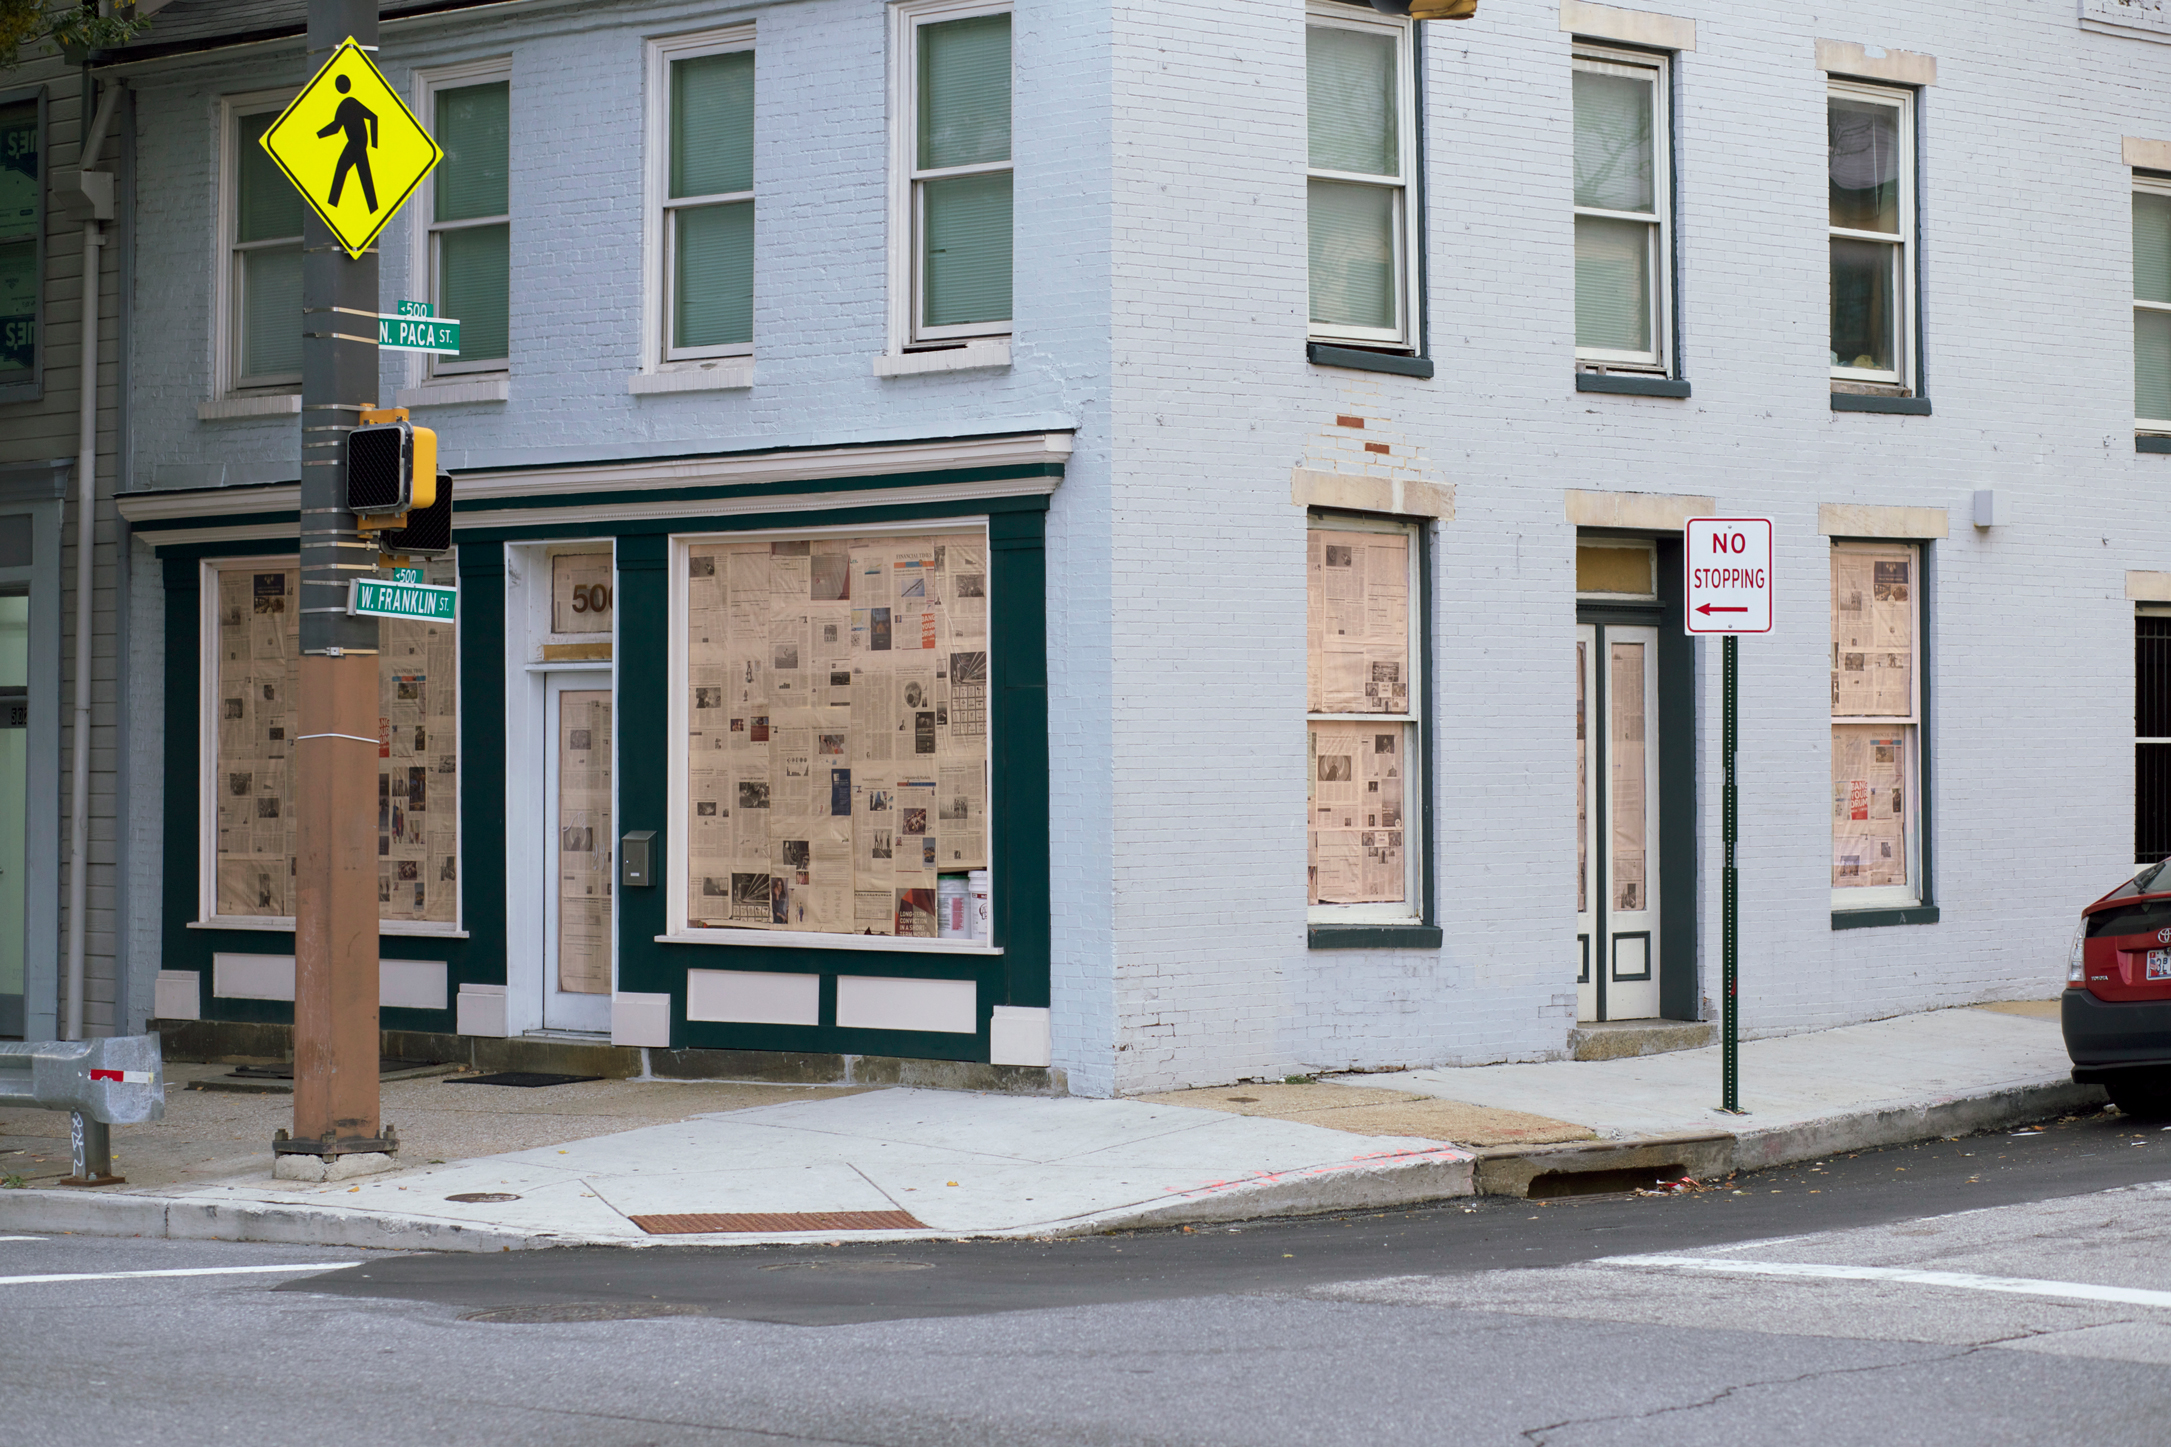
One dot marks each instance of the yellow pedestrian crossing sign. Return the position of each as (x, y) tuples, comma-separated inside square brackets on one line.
[(351, 147)]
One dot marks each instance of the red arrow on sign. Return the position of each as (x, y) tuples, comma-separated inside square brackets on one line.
[(1712, 608)]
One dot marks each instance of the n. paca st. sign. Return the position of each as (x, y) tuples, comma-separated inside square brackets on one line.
[(1729, 575)]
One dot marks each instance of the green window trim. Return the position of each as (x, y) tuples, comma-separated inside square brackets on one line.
[(1018, 799)]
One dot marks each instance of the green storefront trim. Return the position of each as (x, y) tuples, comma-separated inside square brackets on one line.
[(1018, 738)]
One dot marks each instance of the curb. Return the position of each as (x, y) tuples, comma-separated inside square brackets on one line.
[(1397, 1178), (1388, 1179), (82, 1214)]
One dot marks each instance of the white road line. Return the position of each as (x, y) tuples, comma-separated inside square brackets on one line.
[(1962, 1280), (21, 1238), (179, 1271)]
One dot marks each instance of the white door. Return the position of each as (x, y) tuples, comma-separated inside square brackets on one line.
[(1616, 745), (579, 927)]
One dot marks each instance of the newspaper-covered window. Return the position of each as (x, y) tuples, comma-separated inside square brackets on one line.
[(256, 637), (1361, 698), (836, 698), (1876, 747)]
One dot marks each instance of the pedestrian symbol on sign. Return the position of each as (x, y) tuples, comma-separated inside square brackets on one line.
[(360, 124), (351, 147)]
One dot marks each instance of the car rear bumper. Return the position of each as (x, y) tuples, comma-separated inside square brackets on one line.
[(2103, 1036)]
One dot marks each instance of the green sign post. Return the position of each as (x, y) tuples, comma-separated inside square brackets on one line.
[(397, 598)]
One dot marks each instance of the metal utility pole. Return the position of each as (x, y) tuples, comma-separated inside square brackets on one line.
[(335, 755)]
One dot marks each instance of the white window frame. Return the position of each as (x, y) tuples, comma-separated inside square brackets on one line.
[(2154, 186), (1411, 909), (657, 271), (427, 228), (207, 770), (676, 928), (227, 291), (1903, 341), (1659, 359), (1887, 896), (1403, 335), (906, 177)]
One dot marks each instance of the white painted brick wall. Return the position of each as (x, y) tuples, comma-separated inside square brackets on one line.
[(1161, 291)]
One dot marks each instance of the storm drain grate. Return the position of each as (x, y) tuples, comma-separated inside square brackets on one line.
[(702, 1221), (529, 1079)]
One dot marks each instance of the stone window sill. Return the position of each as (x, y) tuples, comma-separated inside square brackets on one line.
[(453, 392), (278, 404), (1877, 918), (1373, 937), (725, 375), (1324, 354), (972, 357), (1631, 384)]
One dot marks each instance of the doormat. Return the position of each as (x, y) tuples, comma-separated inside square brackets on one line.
[(779, 1221), (528, 1078)]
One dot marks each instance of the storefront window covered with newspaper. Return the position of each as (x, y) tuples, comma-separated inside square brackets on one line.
[(836, 706), (1362, 698), (1876, 590), (257, 641)]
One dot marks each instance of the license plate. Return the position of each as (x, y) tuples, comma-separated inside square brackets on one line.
[(2159, 964)]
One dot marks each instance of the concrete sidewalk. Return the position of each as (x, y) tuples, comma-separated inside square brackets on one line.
[(737, 1164)]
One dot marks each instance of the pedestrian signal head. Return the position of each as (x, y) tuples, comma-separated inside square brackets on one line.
[(429, 527), (391, 468)]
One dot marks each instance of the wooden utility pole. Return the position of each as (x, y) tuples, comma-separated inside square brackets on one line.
[(335, 755)]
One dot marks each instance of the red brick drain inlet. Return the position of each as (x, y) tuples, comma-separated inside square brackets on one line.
[(707, 1221)]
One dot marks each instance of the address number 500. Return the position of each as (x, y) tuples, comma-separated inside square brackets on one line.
[(591, 598)]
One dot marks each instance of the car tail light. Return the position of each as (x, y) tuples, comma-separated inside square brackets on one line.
[(2076, 968)]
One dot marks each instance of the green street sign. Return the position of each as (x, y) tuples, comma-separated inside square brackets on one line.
[(418, 332), (383, 598)]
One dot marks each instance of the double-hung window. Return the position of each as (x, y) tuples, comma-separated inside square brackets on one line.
[(264, 256), (1361, 160), (1870, 131), (22, 225), (955, 170), (705, 228), (1876, 725), (2152, 303), (470, 228), (1363, 697), (1623, 209)]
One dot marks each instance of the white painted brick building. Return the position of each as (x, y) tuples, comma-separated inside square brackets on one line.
[(1160, 327)]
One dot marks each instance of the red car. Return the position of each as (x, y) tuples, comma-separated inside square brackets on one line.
[(2117, 1008)]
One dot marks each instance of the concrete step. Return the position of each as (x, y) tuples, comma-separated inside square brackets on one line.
[(1619, 1039)]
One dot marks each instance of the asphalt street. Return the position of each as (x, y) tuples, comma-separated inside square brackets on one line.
[(2004, 1288)]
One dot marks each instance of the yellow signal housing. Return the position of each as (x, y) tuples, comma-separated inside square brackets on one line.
[(422, 491)]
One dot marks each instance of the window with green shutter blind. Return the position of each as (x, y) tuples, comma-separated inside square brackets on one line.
[(470, 225), (267, 262), (1621, 210), (1359, 120), (961, 176), (2152, 307), (709, 215)]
